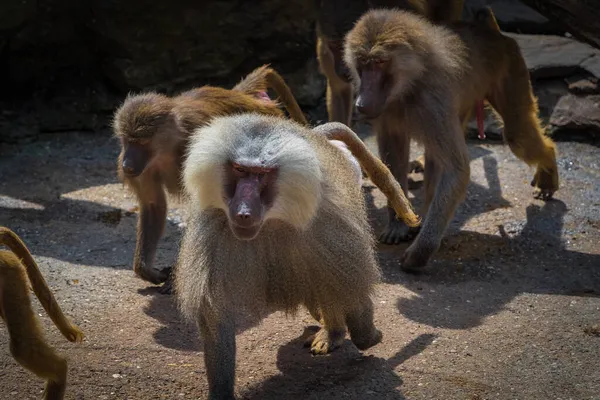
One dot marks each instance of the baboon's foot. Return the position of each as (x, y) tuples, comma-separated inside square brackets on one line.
[(54, 390), (153, 275), (167, 287), (363, 342), (545, 182), (416, 257), (397, 232), (325, 341)]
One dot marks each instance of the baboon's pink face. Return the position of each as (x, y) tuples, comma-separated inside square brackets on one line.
[(249, 193)]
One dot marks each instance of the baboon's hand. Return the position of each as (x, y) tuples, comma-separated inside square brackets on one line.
[(152, 275), (397, 232), (75, 334)]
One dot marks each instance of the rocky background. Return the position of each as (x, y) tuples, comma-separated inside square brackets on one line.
[(66, 64)]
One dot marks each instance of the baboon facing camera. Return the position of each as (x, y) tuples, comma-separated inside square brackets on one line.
[(277, 220)]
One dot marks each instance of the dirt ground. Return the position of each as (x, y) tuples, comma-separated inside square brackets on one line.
[(506, 310)]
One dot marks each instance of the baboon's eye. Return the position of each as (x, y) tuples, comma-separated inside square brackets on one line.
[(238, 168)]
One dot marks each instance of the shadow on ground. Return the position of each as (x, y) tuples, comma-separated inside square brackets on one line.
[(36, 198), (345, 373), (525, 258), (176, 333)]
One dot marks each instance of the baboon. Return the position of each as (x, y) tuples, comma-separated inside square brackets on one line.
[(277, 220), (154, 130), (337, 17), (27, 344), (417, 80)]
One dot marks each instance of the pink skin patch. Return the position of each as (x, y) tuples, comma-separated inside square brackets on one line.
[(342, 146), (264, 96), (479, 117)]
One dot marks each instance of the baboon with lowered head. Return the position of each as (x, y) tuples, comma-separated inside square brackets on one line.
[(27, 344), (277, 220), (417, 80), (337, 17), (154, 131)]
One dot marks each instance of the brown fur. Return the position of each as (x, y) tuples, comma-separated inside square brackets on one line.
[(337, 17), (314, 248), (433, 76), (27, 344), (159, 128), (377, 171)]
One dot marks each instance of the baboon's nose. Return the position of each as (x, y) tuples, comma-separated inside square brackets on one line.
[(368, 111), (243, 216), (129, 169), (364, 109)]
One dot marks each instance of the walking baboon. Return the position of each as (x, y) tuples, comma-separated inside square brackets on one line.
[(27, 344), (417, 80), (277, 220), (154, 130), (337, 17)]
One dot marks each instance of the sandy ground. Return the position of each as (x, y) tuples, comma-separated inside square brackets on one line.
[(505, 311)]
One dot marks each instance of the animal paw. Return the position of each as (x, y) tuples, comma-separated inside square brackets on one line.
[(415, 258), (153, 275), (167, 287), (74, 334), (545, 183), (325, 341), (397, 232)]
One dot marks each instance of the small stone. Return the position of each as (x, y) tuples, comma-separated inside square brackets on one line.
[(593, 330)]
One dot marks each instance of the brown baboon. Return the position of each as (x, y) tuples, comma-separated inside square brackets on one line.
[(27, 344), (277, 220), (417, 80), (337, 17), (154, 130)]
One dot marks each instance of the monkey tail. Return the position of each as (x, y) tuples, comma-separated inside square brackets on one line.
[(275, 81), (257, 82), (377, 171), (39, 285), (254, 83), (486, 16)]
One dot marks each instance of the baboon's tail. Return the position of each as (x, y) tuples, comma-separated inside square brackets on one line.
[(39, 285), (377, 171), (265, 77), (254, 83), (486, 15)]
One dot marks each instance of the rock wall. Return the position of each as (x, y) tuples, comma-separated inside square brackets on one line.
[(66, 64)]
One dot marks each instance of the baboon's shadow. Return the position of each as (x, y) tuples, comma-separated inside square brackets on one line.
[(477, 274), (345, 373), (479, 200), (176, 333)]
